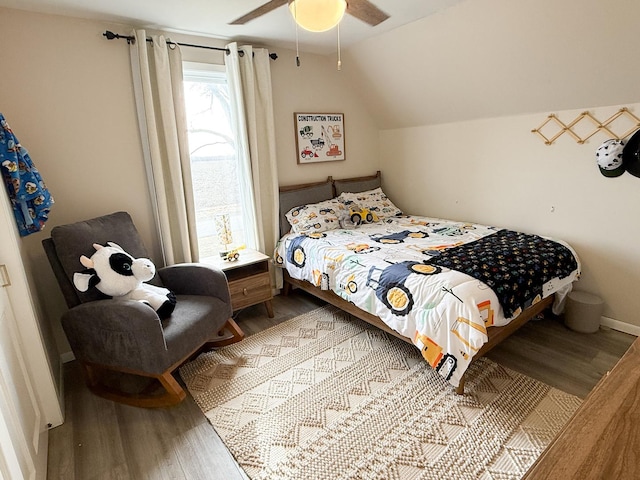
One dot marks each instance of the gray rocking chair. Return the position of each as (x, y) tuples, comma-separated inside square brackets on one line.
[(126, 336)]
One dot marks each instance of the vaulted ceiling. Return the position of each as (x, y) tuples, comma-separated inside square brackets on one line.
[(492, 58)]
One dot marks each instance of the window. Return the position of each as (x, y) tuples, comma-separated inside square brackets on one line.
[(214, 163)]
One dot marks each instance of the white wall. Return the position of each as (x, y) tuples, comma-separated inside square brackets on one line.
[(495, 171), (67, 93), (317, 86)]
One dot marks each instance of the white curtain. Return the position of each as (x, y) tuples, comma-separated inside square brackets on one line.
[(239, 121), (249, 78), (158, 86)]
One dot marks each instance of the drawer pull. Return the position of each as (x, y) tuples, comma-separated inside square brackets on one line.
[(245, 291)]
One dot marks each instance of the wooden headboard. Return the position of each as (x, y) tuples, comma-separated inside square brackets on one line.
[(296, 195)]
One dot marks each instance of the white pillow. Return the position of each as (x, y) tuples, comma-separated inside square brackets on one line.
[(375, 200), (315, 217)]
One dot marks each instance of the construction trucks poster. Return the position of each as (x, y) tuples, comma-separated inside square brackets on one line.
[(319, 137)]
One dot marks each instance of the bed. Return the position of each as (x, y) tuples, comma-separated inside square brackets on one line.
[(453, 289)]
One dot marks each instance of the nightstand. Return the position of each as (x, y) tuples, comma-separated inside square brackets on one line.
[(249, 280)]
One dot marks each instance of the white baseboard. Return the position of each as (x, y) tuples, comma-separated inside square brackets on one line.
[(620, 326), (67, 357)]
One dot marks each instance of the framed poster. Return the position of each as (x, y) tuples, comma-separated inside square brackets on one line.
[(319, 137)]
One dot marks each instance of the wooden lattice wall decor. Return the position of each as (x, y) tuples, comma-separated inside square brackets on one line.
[(605, 126)]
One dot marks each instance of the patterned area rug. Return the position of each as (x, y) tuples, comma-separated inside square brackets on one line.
[(326, 396)]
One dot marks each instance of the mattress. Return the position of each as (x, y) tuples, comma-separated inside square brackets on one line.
[(437, 282)]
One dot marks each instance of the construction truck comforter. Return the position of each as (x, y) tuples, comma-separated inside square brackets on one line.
[(440, 283)]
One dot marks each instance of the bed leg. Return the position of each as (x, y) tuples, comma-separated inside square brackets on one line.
[(460, 387), (286, 288)]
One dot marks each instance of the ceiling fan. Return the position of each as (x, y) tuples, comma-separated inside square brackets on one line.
[(361, 9)]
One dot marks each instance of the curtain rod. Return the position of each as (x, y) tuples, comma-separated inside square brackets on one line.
[(130, 39)]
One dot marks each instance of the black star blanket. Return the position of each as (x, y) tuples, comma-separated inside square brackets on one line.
[(514, 265)]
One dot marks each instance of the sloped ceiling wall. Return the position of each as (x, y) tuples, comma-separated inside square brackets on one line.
[(490, 58)]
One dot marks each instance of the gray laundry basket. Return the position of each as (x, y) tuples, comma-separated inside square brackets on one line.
[(583, 311)]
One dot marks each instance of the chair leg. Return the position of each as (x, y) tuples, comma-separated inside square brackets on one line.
[(173, 388), (230, 333), (172, 393), (90, 376)]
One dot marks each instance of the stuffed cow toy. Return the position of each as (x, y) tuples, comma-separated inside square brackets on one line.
[(117, 274)]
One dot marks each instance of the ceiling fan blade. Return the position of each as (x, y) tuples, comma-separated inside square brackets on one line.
[(366, 11), (266, 8)]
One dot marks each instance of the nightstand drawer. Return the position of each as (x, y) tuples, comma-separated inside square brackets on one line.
[(250, 290), (249, 279)]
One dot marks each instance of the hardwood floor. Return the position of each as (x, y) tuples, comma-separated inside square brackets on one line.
[(103, 440)]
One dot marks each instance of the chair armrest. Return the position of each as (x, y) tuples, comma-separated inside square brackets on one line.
[(196, 279), (116, 332)]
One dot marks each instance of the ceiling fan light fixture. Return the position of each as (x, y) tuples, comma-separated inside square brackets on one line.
[(317, 15)]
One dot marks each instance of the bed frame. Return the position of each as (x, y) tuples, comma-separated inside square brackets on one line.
[(319, 189)]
